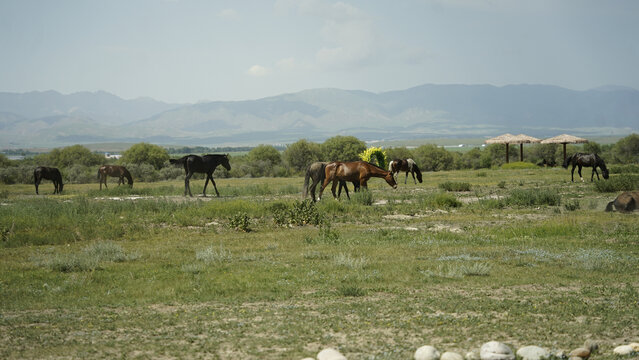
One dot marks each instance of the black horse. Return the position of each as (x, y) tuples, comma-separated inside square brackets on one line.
[(202, 164), (315, 172), (590, 160), (48, 173)]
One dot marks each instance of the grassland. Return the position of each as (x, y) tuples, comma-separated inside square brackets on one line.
[(524, 257)]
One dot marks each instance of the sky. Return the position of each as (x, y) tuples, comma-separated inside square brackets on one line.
[(187, 51)]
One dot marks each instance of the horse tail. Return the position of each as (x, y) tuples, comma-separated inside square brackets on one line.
[(419, 173), (178, 161), (306, 180)]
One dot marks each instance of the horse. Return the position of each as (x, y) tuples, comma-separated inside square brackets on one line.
[(201, 164), (590, 160), (115, 171), (48, 173), (407, 165), (315, 172), (360, 171), (625, 202)]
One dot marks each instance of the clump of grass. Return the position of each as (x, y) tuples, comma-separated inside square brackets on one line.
[(300, 213), (326, 235), (519, 165), (465, 257), (442, 200), (595, 259), (240, 221), (212, 255), (533, 197), (351, 290), (481, 174), (350, 262), (501, 184), (618, 183), (455, 186), (194, 269), (456, 271), (362, 197), (572, 205), (91, 258), (108, 251)]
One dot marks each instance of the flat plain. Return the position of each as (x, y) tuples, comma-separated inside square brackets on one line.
[(523, 257)]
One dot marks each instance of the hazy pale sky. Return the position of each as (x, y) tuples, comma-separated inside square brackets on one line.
[(194, 50)]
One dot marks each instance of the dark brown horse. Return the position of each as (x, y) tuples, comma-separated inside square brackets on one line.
[(360, 171), (590, 160), (48, 173), (625, 202), (114, 171), (201, 164), (407, 165), (315, 172)]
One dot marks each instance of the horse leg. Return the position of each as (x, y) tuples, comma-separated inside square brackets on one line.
[(313, 186), (581, 177), (324, 185), (592, 176), (333, 188), (343, 184), (55, 187), (413, 173), (206, 182), (572, 173), (37, 183), (214, 186), (406, 178), (187, 186)]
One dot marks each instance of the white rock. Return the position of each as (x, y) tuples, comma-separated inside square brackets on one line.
[(472, 355), (426, 352), (330, 354), (449, 355), (494, 350), (624, 350), (533, 353)]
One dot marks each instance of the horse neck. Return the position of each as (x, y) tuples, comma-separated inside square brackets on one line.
[(376, 171)]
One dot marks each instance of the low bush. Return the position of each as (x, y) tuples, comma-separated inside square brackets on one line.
[(300, 213), (363, 197), (624, 169), (455, 186), (534, 197), (442, 200), (618, 183), (240, 221)]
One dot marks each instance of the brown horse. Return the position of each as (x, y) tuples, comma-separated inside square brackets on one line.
[(48, 173), (316, 173), (407, 165), (625, 202), (115, 171), (360, 171)]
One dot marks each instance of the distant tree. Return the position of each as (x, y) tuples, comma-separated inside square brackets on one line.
[(4, 161), (471, 159), (342, 148), (430, 157), (626, 150), (266, 153), (399, 153), (592, 147), (547, 152), (145, 153), (498, 153), (70, 155), (302, 153)]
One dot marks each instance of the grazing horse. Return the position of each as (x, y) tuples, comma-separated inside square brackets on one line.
[(407, 165), (315, 172), (590, 160), (360, 171), (48, 173), (625, 202), (114, 171), (201, 164)]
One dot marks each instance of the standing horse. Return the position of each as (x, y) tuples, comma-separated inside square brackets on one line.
[(315, 172), (590, 160), (407, 165), (201, 164), (114, 171), (48, 173), (360, 171)]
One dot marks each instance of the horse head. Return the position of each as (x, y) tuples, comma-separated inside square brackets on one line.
[(225, 162), (390, 179)]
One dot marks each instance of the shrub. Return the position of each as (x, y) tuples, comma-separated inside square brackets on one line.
[(300, 213), (362, 197), (351, 290), (501, 184), (326, 236), (624, 169), (442, 200), (240, 221), (481, 174), (455, 186), (80, 174), (519, 165), (618, 183), (532, 197), (211, 255), (572, 205)]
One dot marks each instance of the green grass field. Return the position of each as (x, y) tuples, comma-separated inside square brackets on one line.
[(524, 257)]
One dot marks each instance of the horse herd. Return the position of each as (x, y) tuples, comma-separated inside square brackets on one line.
[(336, 172)]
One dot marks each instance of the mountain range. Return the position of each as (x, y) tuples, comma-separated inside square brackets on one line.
[(41, 119)]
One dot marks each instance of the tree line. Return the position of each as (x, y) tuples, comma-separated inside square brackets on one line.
[(149, 162)]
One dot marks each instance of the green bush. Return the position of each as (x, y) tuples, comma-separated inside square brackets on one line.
[(300, 213), (519, 165), (442, 200), (240, 222), (363, 197), (455, 186), (624, 169), (572, 205), (533, 197), (618, 183)]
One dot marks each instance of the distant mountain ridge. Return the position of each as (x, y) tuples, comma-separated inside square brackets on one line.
[(53, 119)]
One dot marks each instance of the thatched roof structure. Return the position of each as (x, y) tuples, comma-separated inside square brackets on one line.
[(564, 139), (507, 139)]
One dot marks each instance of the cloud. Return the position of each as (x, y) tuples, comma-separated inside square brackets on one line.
[(258, 71), (228, 14)]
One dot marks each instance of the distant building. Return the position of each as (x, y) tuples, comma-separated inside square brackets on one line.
[(112, 156)]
